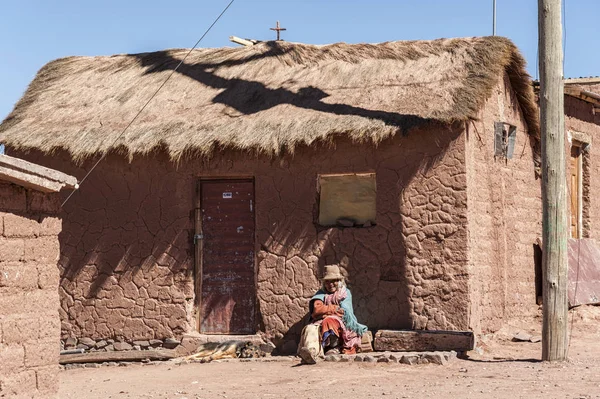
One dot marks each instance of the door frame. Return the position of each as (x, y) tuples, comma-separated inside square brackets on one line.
[(198, 243), (579, 194)]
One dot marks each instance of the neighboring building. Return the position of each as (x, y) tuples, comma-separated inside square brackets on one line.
[(29, 278), (410, 164), (582, 121)]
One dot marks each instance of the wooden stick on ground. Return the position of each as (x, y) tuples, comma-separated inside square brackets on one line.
[(125, 356)]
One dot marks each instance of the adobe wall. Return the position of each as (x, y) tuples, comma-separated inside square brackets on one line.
[(504, 213), (29, 320), (581, 123), (127, 250)]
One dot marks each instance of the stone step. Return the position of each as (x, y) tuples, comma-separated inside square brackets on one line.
[(366, 344), (440, 358), (424, 340)]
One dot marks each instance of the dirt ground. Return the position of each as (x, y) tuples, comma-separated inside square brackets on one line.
[(500, 368)]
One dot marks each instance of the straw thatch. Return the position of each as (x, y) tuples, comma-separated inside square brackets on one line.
[(265, 98)]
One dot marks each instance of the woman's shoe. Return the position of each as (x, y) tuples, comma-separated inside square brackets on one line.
[(333, 351), (307, 356)]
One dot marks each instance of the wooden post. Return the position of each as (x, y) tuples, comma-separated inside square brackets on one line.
[(554, 198), (198, 241)]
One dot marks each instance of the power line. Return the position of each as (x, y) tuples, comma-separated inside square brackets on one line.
[(148, 102)]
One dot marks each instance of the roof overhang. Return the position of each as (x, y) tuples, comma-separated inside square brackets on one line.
[(576, 88), (584, 95), (583, 81), (37, 177)]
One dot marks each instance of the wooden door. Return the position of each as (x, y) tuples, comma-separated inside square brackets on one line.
[(227, 286), (574, 190)]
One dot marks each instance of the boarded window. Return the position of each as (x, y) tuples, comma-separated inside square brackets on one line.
[(504, 139), (347, 200)]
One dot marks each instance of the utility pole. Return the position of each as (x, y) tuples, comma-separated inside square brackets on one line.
[(554, 191), (494, 23)]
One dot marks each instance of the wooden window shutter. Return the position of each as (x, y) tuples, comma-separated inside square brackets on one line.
[(504, 140), (512, 135), (498, 145)]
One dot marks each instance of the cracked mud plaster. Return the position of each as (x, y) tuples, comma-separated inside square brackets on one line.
[(127, 249)]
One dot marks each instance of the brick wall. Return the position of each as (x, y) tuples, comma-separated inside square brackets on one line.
[(29, 321), (504, 213), (127, 250)]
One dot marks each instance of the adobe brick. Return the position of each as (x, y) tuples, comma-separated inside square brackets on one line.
[(18, 384), (19, 275), (12, 249), (36, 302), (43, 202), (12, 358), (47, 381), (50, 226), (49, 327), (12, 197), (41, 353), (48, 276), (20, 226), (20, 329), (42, 249)]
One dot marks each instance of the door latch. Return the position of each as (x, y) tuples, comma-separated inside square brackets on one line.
[(198, 237)]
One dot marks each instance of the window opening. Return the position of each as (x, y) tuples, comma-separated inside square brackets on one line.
[(575, 191), (347, 200), (504, 140)]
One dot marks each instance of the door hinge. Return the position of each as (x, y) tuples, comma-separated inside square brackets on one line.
[(198, 237)]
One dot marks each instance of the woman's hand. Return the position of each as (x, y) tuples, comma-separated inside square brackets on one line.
[(339, 312)]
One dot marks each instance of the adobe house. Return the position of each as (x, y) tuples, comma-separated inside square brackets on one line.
[(582, 122), (410, 164), (29, 277)]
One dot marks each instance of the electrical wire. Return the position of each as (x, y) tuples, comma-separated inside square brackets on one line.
[(537, 63), (147, 102)]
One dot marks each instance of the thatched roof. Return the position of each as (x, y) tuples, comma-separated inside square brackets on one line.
[(265, 98)]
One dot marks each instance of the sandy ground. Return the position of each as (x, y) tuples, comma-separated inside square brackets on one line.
[(499, 369)]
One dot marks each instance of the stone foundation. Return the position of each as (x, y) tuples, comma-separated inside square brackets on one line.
[(111, 345)]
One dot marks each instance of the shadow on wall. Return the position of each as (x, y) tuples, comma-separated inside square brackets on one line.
[(387, 276), (126, 263), (579, 109)]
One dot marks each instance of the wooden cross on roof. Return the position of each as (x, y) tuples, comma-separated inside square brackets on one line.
[(278, 29)]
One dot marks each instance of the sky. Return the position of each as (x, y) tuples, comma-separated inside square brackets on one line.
[(34, 32)]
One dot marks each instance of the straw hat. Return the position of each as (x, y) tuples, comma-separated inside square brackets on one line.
[(332, 272)]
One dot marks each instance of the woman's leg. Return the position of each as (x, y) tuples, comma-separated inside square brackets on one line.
[(331, 330), (309, 348)]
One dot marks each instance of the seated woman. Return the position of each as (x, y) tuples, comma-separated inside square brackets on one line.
[(332, 320)]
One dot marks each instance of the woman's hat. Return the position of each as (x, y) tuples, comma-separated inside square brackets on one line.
[(332, 272)]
